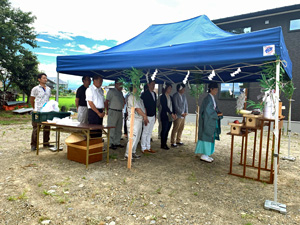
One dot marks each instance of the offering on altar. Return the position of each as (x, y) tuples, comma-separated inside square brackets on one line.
[(236, 127)]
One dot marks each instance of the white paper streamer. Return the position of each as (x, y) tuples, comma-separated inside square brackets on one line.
[(154, 74), (211, 76), (236, 72), (186, 78)]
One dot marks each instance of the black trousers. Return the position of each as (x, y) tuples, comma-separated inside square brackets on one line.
[(125, 124), (165, 128), (95, 119)]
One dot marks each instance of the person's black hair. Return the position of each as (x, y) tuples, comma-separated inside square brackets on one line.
[(167, 85), (212, 85), (39, 76), (146, 88), (85, 76), (97, 77), (150, 81), (180, 85)]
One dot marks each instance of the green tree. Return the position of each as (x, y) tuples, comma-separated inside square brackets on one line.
[(25, 74), (17, 33)]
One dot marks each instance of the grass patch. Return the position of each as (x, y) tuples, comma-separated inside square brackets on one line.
[(47, 193), (192, 177), (113, 156), (22, 196), (158, 191), (8, 118), (67, 101), (12, 198), (42, 218)]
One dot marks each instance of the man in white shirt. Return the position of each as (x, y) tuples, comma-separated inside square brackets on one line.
[(95, 102), (40, 95)]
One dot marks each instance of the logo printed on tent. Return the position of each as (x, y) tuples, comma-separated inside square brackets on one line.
[(269, 50)]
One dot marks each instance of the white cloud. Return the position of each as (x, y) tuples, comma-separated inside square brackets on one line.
[(49, 47), (85, 48), (42, 40), (70, 45), (98, 48), (50, 70), (95, 48), (47, 54), (121, 20)]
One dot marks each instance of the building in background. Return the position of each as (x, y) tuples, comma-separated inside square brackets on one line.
[(52, 84), (288, 18)]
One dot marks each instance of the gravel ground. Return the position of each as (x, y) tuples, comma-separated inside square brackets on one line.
[(169, 187)]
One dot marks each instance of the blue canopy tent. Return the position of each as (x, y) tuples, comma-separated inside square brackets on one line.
[(196, 44)]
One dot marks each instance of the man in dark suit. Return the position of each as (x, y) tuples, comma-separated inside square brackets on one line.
[(150, 101)]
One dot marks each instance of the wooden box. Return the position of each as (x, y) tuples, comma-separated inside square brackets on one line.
[(236, 128), (77, 151), (252, 120)]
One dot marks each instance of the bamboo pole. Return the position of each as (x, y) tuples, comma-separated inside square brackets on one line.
[(130, 138), (197, 124)]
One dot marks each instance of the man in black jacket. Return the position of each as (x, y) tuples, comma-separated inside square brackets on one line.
[(150, 101)]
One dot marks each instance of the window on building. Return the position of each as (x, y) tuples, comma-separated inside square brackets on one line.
[(231, 90), (295, 24), (241, 30)]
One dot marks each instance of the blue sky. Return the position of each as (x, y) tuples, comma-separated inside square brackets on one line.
[(72, 27)]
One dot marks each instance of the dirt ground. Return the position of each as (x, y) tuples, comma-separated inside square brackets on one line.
[(169, 187)]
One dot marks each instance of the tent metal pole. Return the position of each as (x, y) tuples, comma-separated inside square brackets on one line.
[(54, 149), (289, 157), (274, 205), (57, 87)]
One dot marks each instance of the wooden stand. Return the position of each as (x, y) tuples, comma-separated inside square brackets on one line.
[(268, 162)]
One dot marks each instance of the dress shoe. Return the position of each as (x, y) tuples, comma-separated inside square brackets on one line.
[(120, 146), (48, 146), (151, 151), (174, 145), (135, 156), (113, 147), (179, 143), (165, 147), (212, 159), (145, 151), (33, 148)]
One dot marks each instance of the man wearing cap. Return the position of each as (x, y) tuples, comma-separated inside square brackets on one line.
[(40, 95), (80, 101), (95, 102), (181, 110), (114, 105), (150, 100)]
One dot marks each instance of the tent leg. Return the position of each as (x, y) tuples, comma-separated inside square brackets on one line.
[(289, 157), (56, 148), (57, 87), (274, 205)]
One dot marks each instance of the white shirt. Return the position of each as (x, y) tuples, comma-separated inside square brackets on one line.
[(136, 103), (95, 95), (41, 96), (215, 105)]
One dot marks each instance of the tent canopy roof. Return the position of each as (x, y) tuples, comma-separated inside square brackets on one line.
[(196, 45)]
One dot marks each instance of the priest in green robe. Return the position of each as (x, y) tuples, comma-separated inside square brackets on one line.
[(209, 125)]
